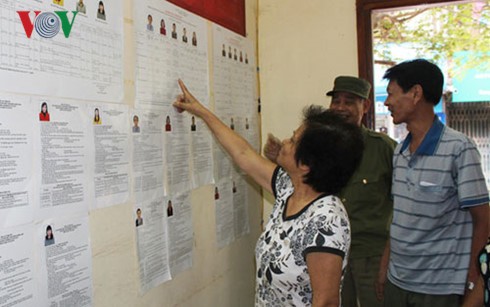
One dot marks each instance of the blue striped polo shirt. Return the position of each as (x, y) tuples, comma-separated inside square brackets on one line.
[(431, 231)]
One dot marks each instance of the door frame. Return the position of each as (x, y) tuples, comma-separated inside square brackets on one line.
[(364, 10)]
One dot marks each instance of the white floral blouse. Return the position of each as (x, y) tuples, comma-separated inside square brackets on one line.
[(322, 226)]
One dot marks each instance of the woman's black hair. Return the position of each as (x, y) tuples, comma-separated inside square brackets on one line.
[(103, 8), (42, 105), (52, 235), (330, 147)]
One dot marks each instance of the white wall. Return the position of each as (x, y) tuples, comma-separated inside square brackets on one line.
[(303, 46)]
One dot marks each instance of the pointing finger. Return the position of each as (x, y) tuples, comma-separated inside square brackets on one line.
[(183, 88)]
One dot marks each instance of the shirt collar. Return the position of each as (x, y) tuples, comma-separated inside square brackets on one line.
[(364, 130), (430, 141)]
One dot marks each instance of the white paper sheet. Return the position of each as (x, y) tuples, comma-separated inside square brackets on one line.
[(147, 154), (181, 233), (17, 282), (87, 63), (240, 206), (201, 153), (177, 152), (163, 56), (235, 93), (17, 183), (152, 243), (110, 154), (64, 155), (65, 262), (225, 223)]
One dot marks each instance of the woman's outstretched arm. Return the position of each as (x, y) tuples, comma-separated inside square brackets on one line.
[(252, 163)]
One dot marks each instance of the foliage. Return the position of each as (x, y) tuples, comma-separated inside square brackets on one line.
[(440, 34)]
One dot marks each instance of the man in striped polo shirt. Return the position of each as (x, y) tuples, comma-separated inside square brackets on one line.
[(440, 218)]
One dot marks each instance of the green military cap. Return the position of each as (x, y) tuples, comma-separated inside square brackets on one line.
[(353, 85)]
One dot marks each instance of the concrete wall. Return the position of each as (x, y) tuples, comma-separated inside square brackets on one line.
[(303, 46)]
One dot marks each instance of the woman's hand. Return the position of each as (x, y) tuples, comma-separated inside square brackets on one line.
[(187, 102)]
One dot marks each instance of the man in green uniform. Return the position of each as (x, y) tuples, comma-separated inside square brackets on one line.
[(367, 196)]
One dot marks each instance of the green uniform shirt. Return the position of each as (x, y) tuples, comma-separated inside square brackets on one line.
[(367, 196)]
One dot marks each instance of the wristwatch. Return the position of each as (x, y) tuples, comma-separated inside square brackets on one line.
[(470, 285)]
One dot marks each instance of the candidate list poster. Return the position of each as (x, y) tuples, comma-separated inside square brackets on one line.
[(63, 159), (224, 210), (17, 180), (235, 91), (180, 232), (240, 206), (110, 153), (17, 276), (201, 152), (64, 257), (171, 43), (152, 243), (62, 48), (177, 152), (147, 155)]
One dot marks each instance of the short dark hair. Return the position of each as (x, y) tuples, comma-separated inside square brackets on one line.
[(47, 229), (330, 147), (419, 71)]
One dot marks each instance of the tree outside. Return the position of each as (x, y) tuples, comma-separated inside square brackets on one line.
[(455, 36), (439, 33)]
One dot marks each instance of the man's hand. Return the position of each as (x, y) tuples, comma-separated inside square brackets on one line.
[(272, 147), (379, 283)]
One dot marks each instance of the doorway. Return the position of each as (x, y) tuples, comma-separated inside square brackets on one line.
[(382, 43)]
